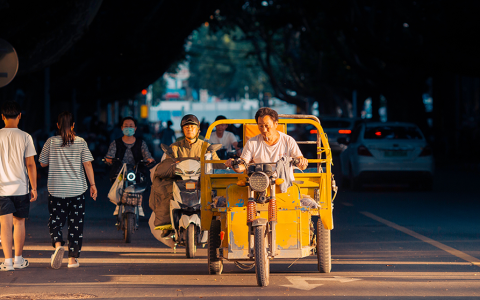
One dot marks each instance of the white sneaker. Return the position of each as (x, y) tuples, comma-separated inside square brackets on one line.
[(140, 211), (115, 213)]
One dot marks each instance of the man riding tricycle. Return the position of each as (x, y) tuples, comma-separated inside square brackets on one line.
[(263, 210)]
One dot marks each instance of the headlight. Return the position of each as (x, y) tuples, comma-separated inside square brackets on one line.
[(131, 176), (258, 181)]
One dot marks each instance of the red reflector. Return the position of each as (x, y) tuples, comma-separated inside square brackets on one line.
[(222, 235), (313, 131), (344, 131), (378, 133)]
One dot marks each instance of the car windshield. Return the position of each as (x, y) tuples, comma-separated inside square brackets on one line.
[(335, 124), (392, 133)]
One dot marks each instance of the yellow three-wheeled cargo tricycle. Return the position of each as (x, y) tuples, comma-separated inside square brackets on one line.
[(257, 223)]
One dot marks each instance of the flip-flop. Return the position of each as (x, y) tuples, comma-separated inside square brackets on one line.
[(57, 258)]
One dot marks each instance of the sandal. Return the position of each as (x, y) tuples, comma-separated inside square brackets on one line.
[(75, 265), (4, 267), (57, 258), (22, 265)]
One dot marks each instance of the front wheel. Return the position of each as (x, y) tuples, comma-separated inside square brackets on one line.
[(215, 264), (190, 241), (129, 227), (262, 263), (324, 252)]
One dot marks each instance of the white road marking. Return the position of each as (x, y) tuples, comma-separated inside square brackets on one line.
[(454, 252), (299, 282)]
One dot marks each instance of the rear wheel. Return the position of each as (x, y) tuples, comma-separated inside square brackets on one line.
[(324, 251), (262, 263), (129, 227), (215, 264), (190, 241)]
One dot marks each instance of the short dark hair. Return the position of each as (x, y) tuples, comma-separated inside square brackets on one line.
[(220, 117), (128, 118), (266, 111), (11, 109)]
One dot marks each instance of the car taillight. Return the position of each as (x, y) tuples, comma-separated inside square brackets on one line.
[(344, 131), (427, 151), (313, 131), (363, 151)]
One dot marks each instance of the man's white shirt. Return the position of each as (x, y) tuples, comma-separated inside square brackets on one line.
[(15, 146), (226, 140), (257, 151)]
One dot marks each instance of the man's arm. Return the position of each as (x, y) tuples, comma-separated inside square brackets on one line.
[(32, 175)]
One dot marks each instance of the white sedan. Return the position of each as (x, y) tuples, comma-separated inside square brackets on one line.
[(387, 152)]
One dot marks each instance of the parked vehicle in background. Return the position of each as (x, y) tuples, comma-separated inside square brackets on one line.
[(336, 128), (387, 152)]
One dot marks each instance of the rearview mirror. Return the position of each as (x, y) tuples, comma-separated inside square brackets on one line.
[(214, 147)]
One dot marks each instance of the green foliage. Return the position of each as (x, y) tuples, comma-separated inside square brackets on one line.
[(222, 61), (159, 87)]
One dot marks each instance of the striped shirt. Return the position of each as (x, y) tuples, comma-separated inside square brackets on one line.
[(66, 175)]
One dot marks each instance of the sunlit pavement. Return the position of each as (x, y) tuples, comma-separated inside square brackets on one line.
[(388, 242)]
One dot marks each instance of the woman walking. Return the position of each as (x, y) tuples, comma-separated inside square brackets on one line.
[(68, 156)]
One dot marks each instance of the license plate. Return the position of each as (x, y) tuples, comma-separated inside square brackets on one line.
[(395, 153), (190, 185)]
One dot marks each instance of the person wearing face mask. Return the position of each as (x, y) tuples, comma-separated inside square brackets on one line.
[(129, 150)]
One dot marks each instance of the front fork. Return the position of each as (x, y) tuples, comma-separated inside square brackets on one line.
[(271, 224)]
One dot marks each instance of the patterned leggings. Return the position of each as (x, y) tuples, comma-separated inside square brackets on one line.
[(73, 210)]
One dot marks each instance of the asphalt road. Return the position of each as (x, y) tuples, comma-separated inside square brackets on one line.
[(389, 242)]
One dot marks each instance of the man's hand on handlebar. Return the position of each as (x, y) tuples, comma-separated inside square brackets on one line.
[(235, 164), (301, 162)]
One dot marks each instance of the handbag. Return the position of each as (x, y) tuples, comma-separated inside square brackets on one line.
[(116, 191)]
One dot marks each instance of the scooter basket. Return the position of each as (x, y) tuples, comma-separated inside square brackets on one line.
[(131, 199)]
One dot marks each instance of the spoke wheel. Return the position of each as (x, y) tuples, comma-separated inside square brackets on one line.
[(190, 241), (262, 263), (215, 264), (324, 251)]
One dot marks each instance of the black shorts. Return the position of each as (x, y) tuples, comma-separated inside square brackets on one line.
[(18, 205)]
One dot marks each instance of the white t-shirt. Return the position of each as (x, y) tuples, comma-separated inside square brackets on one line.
[(226, 140), (66, 175), (15, 146), (257, 150)]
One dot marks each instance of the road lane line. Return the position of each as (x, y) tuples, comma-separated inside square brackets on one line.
[(454, 252)]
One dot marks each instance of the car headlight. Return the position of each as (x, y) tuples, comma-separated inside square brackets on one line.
[(131, 176), (258, 181)]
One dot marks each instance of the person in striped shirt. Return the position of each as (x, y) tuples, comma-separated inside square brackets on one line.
[(68, 158)]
